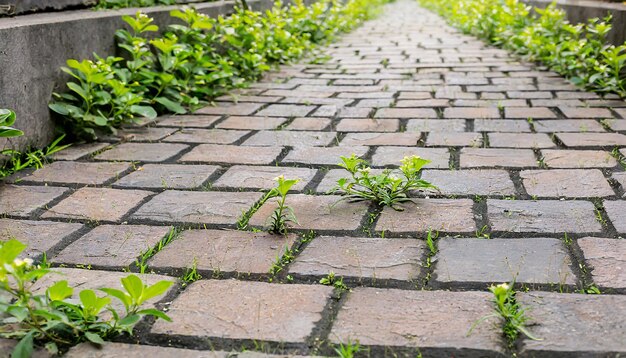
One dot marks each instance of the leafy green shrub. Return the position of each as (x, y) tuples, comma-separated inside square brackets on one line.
[(193, 62), (579, 51), (386, 188), (7, 118), (56, 321)]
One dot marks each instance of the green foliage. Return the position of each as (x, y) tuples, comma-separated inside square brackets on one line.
[(7, 118), (385, 189), (119, 4), (579, 51), (32, 158), (53, 318), (348, 350), (283, 214), (332, 280), (195, 61)]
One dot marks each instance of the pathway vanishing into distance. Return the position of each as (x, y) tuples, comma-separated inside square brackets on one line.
[(522, 157)]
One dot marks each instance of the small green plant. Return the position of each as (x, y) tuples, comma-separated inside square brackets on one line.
[(281, 261), (54, 320), (509, 310), (142, 262), (32, 158), (348, 350), (191, 274), (332, 280), (7, 118), (384, 189), (283, 214), (430, 242)]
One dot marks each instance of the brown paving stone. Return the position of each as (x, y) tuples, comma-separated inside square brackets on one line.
[(77, 173), (391, 156), (528, 260), (471, 113), (568, 125), (290, 138), (544, 216), (197, 207), (24, 200), (112, 245), (257, 123), (616, 124), (145, 134), (354, 112), (115, 350), (99, 204), (501, 125), (580, 112), (422, 103), (214, 153), (323, 156), (578, 159), (592, 139), (520, 140), (223, 251), (145, 152), (500, 158), (568, 183), (77, 151), (172, 176), (248, 310), (471, 182), (529, 95), (571, 322), (362, 258), (535, 112), (406, 113), (393, 139), (254, 177), (188, 121), (39, 236), (616, 211), (435, 125), (421, 215), (231, 108), (285, 110), (211, 136), (454, 139), (375, 103), (367, 125), (397, 318), (308, 124), (607, 260), (317, 212)]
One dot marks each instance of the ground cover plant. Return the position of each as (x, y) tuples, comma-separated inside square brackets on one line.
[(54, 319), (193, 62), (385, 189), (577, 51), (283, 214)]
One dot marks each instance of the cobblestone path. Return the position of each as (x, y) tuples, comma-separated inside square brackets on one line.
[(532, 188)]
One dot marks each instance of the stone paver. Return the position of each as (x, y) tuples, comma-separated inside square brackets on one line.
[(144, 152), (24, 200), (257, 123), (435, 125), (294, 139), (528, 260), (77, 151), (77, 173), (497, 158), (607, 259), (376, 139), (568, 125), (40, 236), (578, 158), (113, 350), (323, 156), (452, 139), (520, 140), (210, 136), (231, 108), (213, 153), (254, 177), (167, 176), (248, 310), (568, 183), (604, 140), (471, 182), (448, 215), (188, 121), (616, 211)]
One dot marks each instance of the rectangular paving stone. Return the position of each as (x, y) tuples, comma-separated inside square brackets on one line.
[(471, 113), (620, 178), (112, 245), (605, 140), (454, 139), (145, 134), (493, 261), (22, 201), (361, 258), (568, 125), (406, 113), (367, 125), (211, 136), (470, 182), (399, 318), (421, 215), (77, 151), (323, 156), (39, 236), (616, 210), (67, 172), (231, 154), (247, 310), (291, 138), (498, 158), (520, 140), (231, 108), (391, 156), (544, 216), (501, 125), (188, 121), (223, 251), (249, 122), (286, 110), (578, 158), (574, 324), (144, 152), (567, 183), (607, 260), (581, 112), (254, 177), (97, 204), (535, 112), (168, 176), (435, 125), (376, 139), (112, 350), (208, 207), (326, 212), (308, 124)]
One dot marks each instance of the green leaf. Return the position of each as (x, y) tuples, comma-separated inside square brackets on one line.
[(134, 286), (120, 295), (155, 313), (94, 338), (129, 320), (171, 105), (7, 132), (24, 349), (60, 108), (59, 291), (157, 289), (10, 250), (144, 111)]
